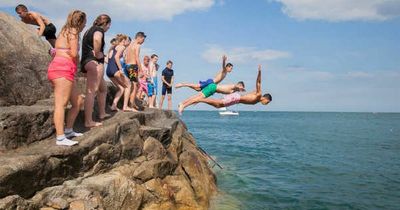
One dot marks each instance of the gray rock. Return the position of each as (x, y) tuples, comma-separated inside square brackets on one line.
[(23, 64), (23, 125), (153, 149)]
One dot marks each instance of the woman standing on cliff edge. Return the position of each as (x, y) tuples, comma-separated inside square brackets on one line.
[(92, 63), (61, 72)]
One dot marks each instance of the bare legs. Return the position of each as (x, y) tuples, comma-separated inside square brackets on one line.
[(76, 101), (62, 93), (169, 101), (127, 93), (151, 101), (217, 103), (118, 94), (195, 87), (122, 83), (192, 100), (132, 98), (95, 83), (160, 105)]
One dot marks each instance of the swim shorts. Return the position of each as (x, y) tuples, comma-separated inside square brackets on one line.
[(61, 67), (209, 90), (131, 71), (150, 88), (231, 99), (50, 31), (203, 84)]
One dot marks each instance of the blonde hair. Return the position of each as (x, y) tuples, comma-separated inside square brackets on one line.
[(75, 20), (120, 37)]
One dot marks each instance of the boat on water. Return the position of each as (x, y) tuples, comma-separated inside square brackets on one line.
[(226, 112)]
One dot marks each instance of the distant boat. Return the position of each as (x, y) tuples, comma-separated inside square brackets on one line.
[(225, 112)]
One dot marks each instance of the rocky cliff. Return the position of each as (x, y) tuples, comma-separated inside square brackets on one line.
[(145, 160), (23, 61)]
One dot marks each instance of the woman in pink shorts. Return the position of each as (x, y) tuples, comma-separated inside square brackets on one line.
[(61, 73)]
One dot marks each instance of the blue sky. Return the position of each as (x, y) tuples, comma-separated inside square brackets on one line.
[(332, 55)]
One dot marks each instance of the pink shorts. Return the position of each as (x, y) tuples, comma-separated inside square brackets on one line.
[(231, 99), (61, 67), (143, 85)]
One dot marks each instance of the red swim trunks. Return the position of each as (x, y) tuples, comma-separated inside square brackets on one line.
[(61, 67)]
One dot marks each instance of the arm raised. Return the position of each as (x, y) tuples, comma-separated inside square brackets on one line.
[(258, 82)]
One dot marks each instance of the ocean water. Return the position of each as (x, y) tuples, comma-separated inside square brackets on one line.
[(300, 160)]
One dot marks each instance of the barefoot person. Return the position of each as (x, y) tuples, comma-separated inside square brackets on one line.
[(46, 28), (167, 78), (114, 69), (144, 78), (226, 68), (235, 98), (152, 85), (61, 73), (92, 64), (133, 65)]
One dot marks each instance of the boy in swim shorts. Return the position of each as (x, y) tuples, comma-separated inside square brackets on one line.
[(46, 28), (209, 90), (133, 64), (235, 98), (226, 68)]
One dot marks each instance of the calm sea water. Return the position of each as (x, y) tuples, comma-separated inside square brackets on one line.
[(289, 160)]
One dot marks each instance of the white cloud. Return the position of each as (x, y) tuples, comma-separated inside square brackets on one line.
[(117, 9), (341, 10), (242, 54)]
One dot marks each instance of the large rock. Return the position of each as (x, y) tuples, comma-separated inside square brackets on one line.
[(124, 164), (23, 63)]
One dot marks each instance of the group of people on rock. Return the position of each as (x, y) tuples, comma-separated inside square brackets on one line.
[(135, 80)]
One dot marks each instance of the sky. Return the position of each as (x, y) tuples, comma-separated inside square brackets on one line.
[(316, 55)]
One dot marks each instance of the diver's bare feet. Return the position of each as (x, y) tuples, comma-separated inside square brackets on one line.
[(93, 124)]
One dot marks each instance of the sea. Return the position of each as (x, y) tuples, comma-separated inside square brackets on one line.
[(302, 160)]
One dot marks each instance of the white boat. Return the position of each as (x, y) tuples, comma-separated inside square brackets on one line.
[(225, 112)]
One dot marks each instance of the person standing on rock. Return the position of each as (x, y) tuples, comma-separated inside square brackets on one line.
[(152, 85), (133, 64), (92, 63), (114, 69), (144, 78), (61, 73), (46, 28), (167, 78)]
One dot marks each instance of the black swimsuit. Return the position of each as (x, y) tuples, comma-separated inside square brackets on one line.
[(50, 31), (87, 47)]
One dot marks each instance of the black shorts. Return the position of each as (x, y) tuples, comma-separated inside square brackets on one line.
[(85, 60), (50, 31), (166, 89)]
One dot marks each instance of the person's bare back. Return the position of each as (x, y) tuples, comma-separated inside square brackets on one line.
[(132, 53), (250, 98), (31, 18), (231, 88)]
